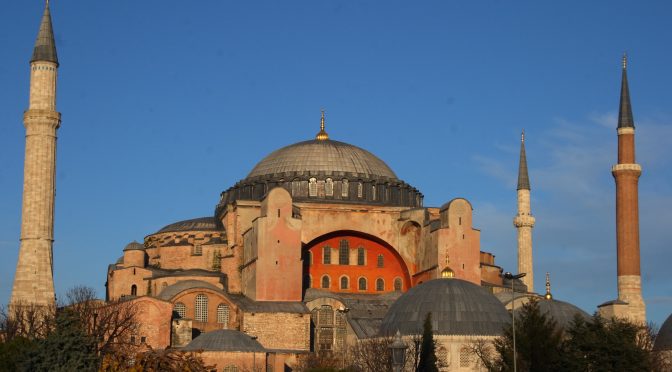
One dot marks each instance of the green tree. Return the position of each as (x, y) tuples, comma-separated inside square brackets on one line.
[(608, 345), (539, 342), (428, 349), (67, 348)]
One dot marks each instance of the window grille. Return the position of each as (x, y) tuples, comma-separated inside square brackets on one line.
[(361, 255), (326, 255), (181, 310), (326, 315), (344, 282), (381, 260), (223, 315), (397, 284), (201, 308), (325, 282), (380, 284), (465, 357), (362, 284), (230, 368), (325, 339), (344, 253), (344, 188), (329, 187)]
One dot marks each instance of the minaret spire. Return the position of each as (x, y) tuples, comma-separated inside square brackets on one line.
[(523, 178), (45, 46), (524, 221), (625, 119), (322, 135)]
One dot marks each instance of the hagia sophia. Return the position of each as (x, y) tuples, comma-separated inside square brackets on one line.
[(320, 246)]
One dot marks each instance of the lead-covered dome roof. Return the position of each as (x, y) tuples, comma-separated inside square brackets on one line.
[(323, 156), (664, 337), (458, 307)]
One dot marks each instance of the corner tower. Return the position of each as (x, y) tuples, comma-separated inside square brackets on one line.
[(626, 174), (524, 222), (33, 281)]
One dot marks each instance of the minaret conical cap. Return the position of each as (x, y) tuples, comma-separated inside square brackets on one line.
[(523, 178), (45, 47), (625, 119)]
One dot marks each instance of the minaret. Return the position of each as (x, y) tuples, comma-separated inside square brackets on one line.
[(626, 174), (524, 222), (33, 281)]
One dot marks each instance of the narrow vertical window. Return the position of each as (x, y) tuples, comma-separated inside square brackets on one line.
[(381, 260), (296, 187), (361, 256), (312, 187), (373, 192), (325, 282), (344, 188), (360, 189), (134, 290), (380, 284), (329, 187), (362, 284), (344, 253), (201, 308), (326, 255)]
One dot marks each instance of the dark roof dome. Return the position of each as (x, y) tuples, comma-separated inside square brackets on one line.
[(323, 157), (224, 340), (134, 246), (458, 307), (198, 224), (562, 312), (664, 338)]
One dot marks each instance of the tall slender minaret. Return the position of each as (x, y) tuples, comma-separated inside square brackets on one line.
[(34, 281), (524, 222), (626, 174)]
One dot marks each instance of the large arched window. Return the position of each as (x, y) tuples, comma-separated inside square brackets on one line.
[(201, 308), (380, 284), (344, 253), (326, 255), (362, 284), (345, 283), (344, 188), (397, 284), (134, 290), (223, 315), (325, 281), (329, 187), (181, 310)]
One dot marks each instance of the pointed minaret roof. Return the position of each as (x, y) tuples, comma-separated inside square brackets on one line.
[(625, 110), (45, 47), (523, 178)]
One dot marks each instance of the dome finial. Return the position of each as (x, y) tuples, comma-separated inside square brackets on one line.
[(548, 294), (322, 135), (625, 60)]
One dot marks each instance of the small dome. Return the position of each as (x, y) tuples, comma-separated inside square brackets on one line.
[(134, 246), (224, 340), (664, 338), (326, 156), (195, 224), (562, 312), (458, 307)]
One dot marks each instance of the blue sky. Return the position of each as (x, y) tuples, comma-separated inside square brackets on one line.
[(165, 104)]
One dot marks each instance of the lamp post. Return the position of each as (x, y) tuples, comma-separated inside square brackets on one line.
[(398, 349), (511, 277)]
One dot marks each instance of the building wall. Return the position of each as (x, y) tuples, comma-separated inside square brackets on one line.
[(154, 322), (294, 333)]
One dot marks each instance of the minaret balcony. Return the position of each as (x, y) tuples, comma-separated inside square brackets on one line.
[(523, 220)]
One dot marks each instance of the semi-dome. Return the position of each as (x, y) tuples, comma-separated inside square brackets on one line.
[(664, 337), (458, 307), (323, 157)]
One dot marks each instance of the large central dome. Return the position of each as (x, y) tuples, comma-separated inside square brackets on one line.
[(325, 157)]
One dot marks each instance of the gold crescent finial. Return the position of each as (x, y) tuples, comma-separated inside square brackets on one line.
[(625, 60), (548, 295), (322, 134)]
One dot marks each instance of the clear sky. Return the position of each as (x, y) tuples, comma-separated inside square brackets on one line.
[(165, 104)]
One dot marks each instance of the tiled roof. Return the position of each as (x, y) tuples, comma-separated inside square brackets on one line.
[(224, 340)]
